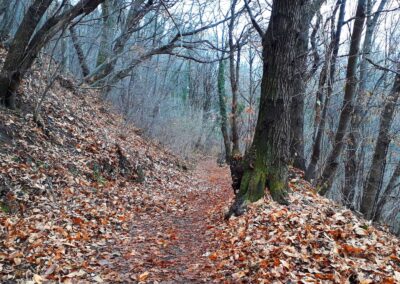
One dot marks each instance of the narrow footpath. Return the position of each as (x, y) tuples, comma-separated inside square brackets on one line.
[(174, 244)]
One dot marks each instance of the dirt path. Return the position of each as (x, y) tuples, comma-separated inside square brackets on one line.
[(173, 245)]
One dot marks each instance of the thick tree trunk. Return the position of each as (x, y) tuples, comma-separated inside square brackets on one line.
[(352, 166), (297, 104), (376, 173), (320, 118), (222, 109), (266, 164), (325, 181)]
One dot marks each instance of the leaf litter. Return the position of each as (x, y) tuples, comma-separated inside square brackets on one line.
[(86, 199)]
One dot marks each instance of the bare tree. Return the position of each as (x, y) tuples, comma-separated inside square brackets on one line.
[(28, 42), (374, 181), (324, 183)]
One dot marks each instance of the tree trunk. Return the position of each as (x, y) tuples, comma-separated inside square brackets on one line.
[(353, 160), (27, 43), (266, 164), (79, 52), (12, 71), (107, 31), (137, 11), (222, 109), (234, 78), (376, 173), (390, 190), (297, 104), (320, 118), (325, 181)]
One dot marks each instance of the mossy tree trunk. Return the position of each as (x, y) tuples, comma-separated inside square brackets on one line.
[(266, 164)]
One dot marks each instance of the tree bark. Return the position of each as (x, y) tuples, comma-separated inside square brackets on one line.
[(79, 52), (107, 31), (27, 43), (12, 71), (297, 104), (222, 109), (329, 67), (324, 183), (234, 78), (352, 166), (376, 173), (266, 164)]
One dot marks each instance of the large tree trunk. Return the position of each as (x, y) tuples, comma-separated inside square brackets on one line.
[(353, 154), (266, 164), (222, 109), (330, 65), (297, 104), (376, 173), (325, 181)]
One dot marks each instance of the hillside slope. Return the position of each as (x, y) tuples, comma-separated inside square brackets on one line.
[(85, 198)]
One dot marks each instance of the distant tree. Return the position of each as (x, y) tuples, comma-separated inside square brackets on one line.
[(234, 71), (324, 182), (327, 76), (353, 162), (376, 173), (222, 109)]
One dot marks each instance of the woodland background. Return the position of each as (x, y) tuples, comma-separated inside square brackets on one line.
[(188, 73)]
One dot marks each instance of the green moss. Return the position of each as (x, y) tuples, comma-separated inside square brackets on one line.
[(4, 207)]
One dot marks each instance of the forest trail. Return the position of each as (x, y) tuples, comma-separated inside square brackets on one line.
[(173, 246)]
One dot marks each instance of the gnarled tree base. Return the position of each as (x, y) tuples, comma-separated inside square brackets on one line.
[(252, 189)]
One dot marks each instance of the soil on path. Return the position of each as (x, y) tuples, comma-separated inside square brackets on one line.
[(174, 244)]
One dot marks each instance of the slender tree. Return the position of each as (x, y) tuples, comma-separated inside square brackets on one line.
[(329, 68), (324, 183), (376, 173), (353, 162), (222, 109), (234, 69)]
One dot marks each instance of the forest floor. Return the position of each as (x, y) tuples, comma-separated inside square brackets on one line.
[(174, 246), (85, 198)]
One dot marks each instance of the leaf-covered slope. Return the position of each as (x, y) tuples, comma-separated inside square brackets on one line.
[(72, 181), (85, 198), (313, 240)]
